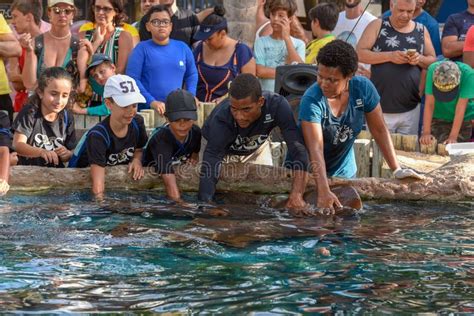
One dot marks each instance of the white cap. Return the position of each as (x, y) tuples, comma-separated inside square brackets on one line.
[(52, 3), (124, 90)]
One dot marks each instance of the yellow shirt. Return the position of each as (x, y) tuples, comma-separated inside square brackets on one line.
[(126, 27), (4, 88), (312, 50)]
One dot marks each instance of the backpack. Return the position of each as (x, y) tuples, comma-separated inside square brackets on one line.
[(100, 130)]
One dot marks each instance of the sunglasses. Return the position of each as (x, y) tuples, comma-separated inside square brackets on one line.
[(59, 11), (106, 10), (157, 22)]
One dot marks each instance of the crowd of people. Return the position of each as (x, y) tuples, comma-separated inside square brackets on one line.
[(394, 74)]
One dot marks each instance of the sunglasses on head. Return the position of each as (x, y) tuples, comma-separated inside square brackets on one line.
[(59, 11)]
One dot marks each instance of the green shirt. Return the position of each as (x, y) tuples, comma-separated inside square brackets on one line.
[(446, 110)]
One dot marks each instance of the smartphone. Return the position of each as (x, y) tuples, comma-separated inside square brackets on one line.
[(411, 52)]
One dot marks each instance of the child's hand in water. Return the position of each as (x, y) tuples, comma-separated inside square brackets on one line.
[(50, 157), (63, 153), (4, 187), (136, 168)]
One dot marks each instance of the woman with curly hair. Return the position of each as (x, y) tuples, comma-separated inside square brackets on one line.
[(332, 114), (107, 34)]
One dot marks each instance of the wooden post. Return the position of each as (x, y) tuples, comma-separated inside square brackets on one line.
[(79, 121), (409, 142), (364, 135), (377, 160), (429, 149), (151, 117), (442, 150), (91, 121), (146, 118), (200, 114), (397, 141), (362, 155)]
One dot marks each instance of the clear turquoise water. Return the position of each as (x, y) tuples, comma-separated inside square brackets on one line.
[(58, 254)]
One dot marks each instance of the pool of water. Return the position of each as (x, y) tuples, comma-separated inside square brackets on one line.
[(63, 252)]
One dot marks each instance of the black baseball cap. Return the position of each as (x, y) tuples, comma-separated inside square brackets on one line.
[(97, 59), (180, 104)]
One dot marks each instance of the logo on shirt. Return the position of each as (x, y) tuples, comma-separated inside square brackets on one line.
[(268, 118), (343, 133), (359, 103), (181, 63), (48, 143), (123, 157), (248, 144)]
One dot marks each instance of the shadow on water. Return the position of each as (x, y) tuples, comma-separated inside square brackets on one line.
[(139, 252)]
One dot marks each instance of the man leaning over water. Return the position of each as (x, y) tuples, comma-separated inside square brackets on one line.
[(238, 129)]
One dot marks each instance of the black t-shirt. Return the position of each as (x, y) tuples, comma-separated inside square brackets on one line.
[(163, 151), (41, 133), (185, 25), (225, 137), (104, 148), (5, 132)]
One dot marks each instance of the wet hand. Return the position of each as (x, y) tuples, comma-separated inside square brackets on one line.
[(297, 206), (50, 157), (407, 173), (158, 106), (4, 187), (328, 203), (136, 168), (399, 57)]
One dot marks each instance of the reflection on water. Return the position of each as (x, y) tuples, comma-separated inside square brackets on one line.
[(64, 253)]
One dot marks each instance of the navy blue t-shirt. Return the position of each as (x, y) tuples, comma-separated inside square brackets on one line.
[(339, 133), (164, 151), (457, 25), (225, 137), (119, 151)]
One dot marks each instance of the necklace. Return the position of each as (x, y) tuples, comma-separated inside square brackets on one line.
[(59, 38)]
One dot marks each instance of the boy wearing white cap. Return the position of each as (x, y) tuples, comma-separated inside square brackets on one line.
[(117, 140)]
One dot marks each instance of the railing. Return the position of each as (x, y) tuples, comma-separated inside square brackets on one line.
[(196, 4)]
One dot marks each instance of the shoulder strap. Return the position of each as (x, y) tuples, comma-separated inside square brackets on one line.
[(100, 130), (153, 133), (66, 122), (39, 44), (199, 50), (136, 128), (74, 45), (5, 131)]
